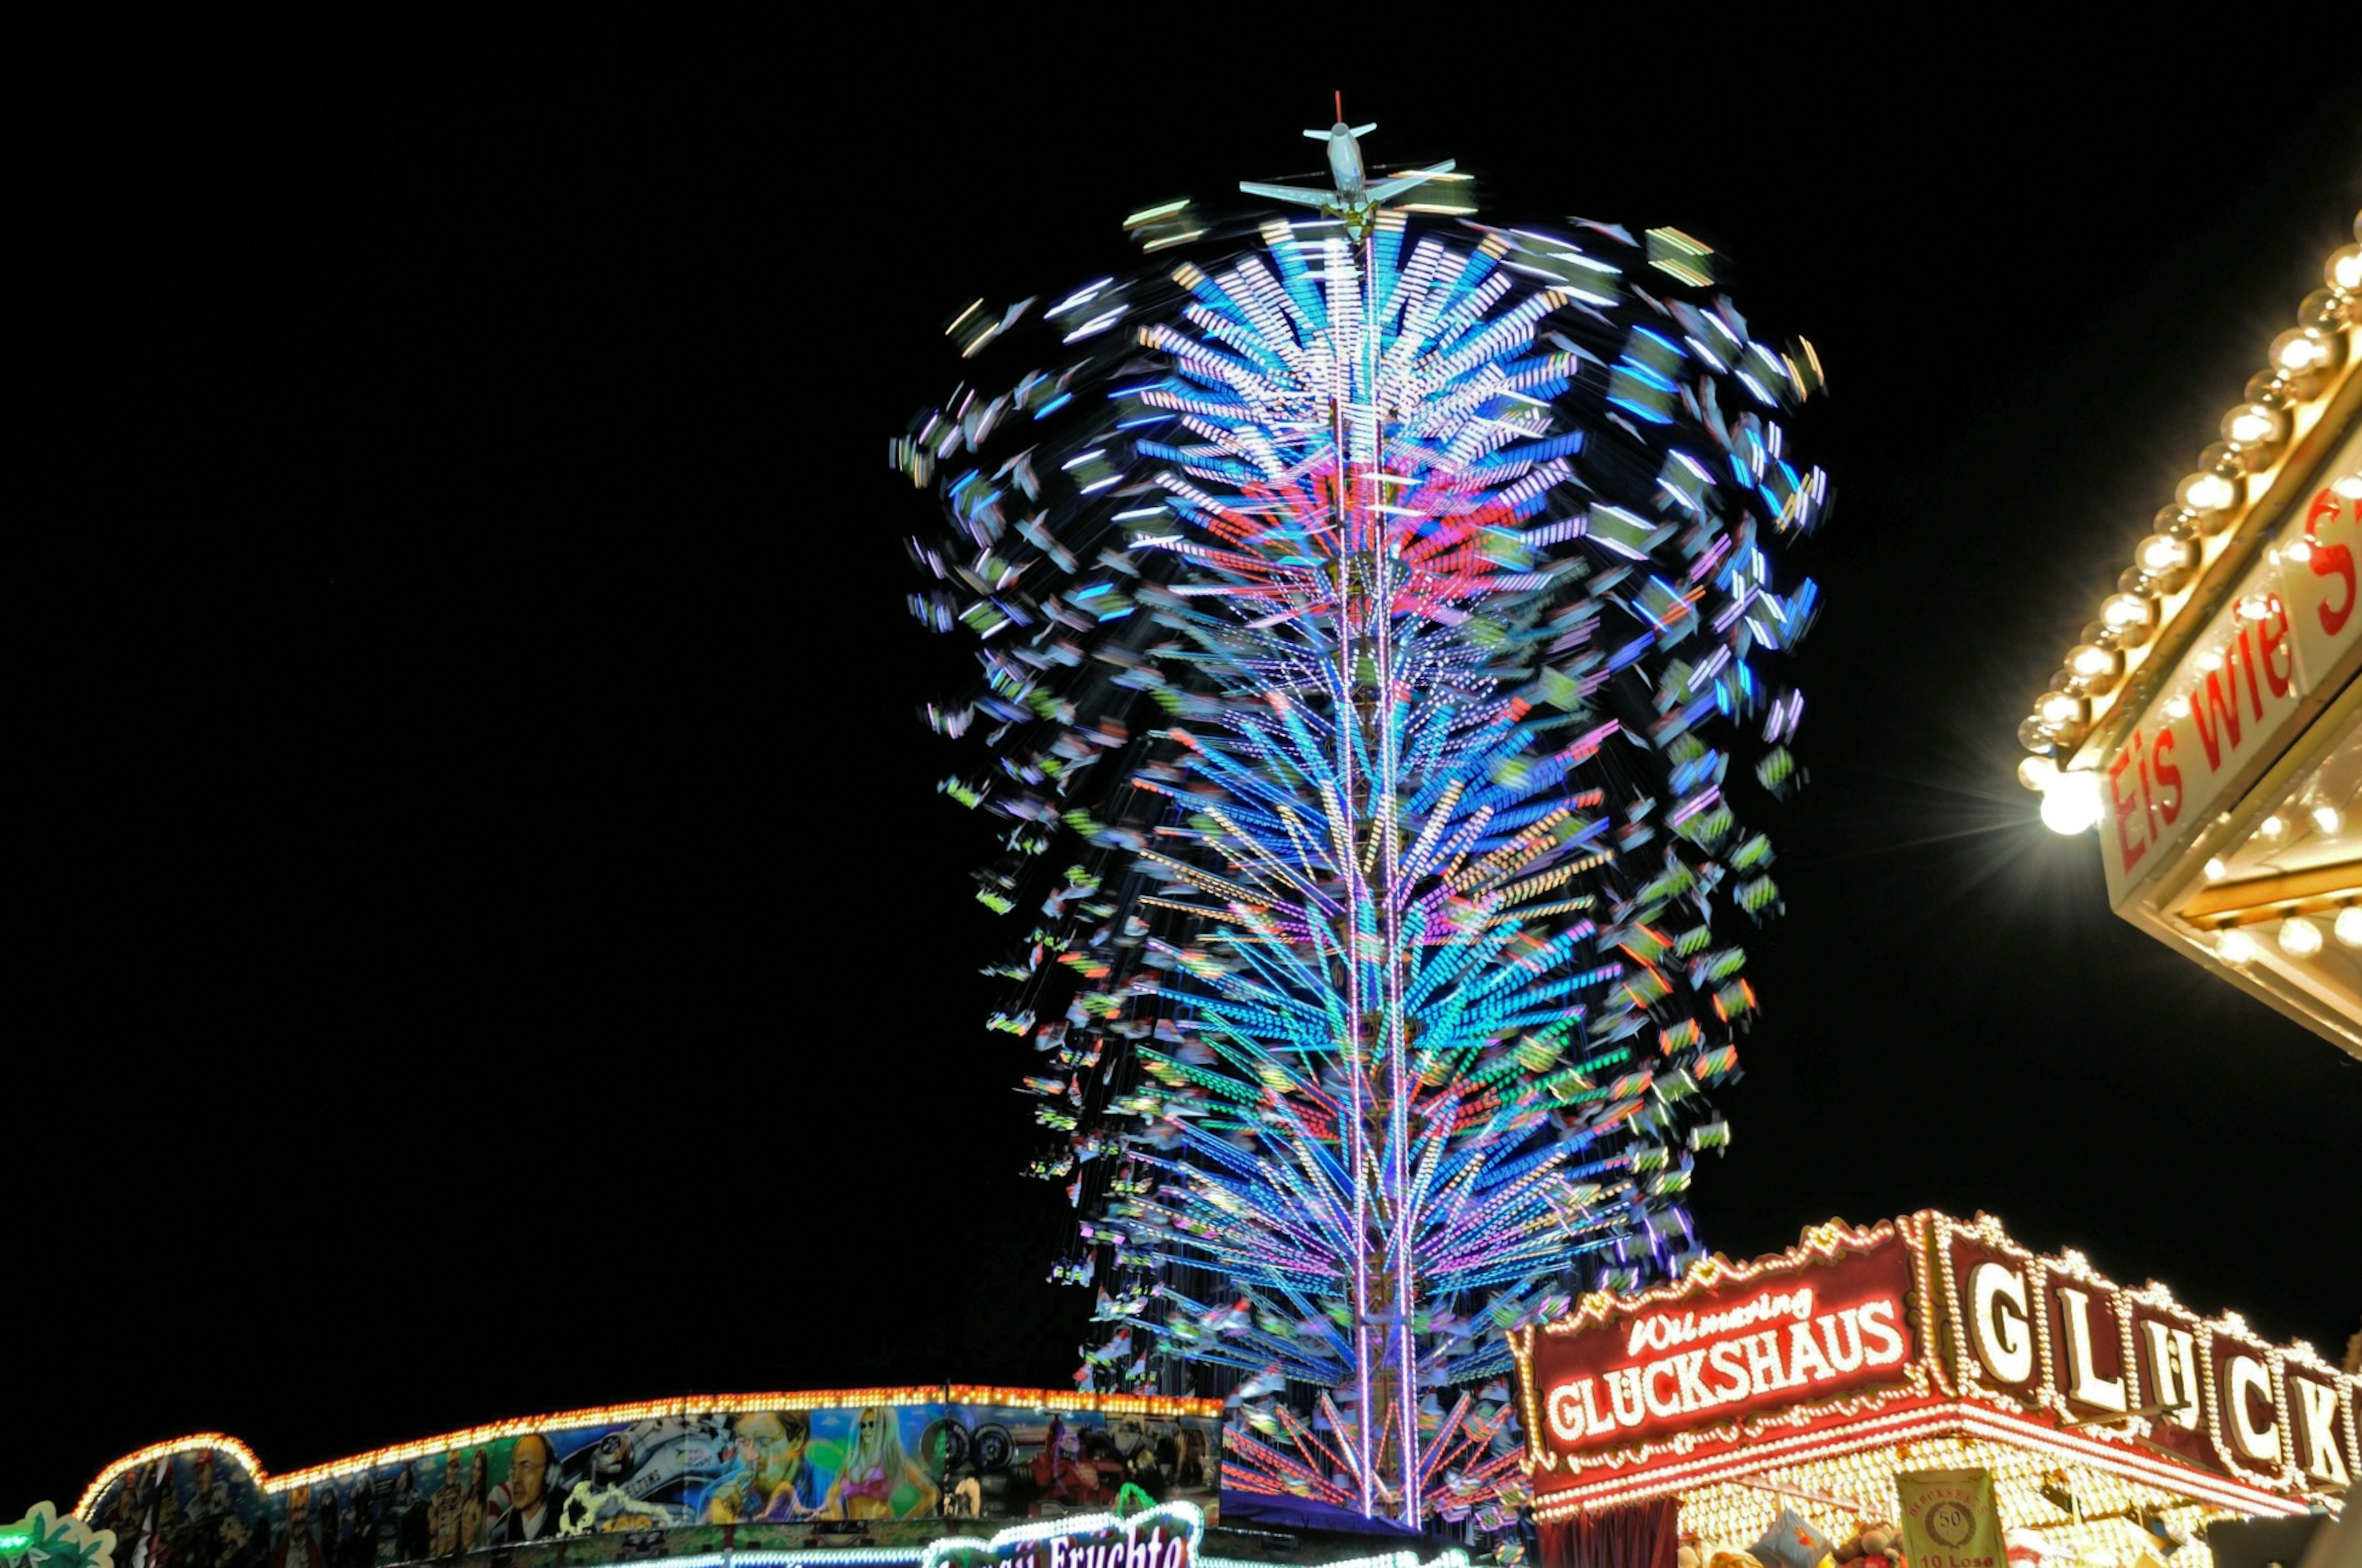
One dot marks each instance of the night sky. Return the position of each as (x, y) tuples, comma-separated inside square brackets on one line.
[(493, 943)]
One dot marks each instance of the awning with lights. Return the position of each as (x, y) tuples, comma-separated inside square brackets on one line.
[(2208, 723), (2107, 1416)]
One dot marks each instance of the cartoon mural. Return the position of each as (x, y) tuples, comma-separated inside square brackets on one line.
[(1032, 1463), (856, 1464)]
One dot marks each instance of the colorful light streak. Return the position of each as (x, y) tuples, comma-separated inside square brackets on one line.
[(1394, 1036)]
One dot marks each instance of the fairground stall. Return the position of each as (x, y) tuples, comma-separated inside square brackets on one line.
[(2207, 722), (1923, 1377), (943, 1475)]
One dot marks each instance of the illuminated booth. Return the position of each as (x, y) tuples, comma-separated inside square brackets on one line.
[(1804, 1391), (2208, 723), (935, 1476)]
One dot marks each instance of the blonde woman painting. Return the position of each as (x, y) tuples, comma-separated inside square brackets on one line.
[(875, 1468)]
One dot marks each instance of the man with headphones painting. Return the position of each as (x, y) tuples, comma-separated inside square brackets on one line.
[(531, 1512)]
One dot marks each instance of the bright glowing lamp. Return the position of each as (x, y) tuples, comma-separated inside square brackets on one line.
[(2206, 492), (2327, 820), (2059, 708), (2092, 662), (2037, 773), (2300, 938), (2251, 425), (2235, 947), (2162, 555), (2348, 926), (2126, 611), (2297, 350), (2072, 804)]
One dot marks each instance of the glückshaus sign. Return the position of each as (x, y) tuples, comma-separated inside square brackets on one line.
[(1919, 1326)]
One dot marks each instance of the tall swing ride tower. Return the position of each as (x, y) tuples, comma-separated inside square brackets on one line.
[(1381, 622)]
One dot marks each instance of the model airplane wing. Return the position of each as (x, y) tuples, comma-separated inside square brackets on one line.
[(1302, 196), (1385, 190)]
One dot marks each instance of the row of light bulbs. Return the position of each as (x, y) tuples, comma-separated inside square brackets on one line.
[(2255, 433), (1734, 1514), (2298, 936)]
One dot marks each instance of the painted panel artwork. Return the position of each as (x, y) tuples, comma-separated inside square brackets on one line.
[(857, 1466)]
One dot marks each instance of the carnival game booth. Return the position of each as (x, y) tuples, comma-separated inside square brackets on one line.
[(936, 1477), (1924, 1370)]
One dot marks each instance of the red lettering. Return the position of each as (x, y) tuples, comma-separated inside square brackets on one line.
[(2335, 560), (2127, 845), (2148, 800), (2169, 776), (2271, 637), (2240, 657), (2227, 717)]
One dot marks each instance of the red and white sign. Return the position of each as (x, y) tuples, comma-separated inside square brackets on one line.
[(1924, 1325), (2321, 590), (2224, 713), (2050, 1333), (1765, 1339)]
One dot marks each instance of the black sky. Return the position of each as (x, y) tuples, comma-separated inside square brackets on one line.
[(493, 942)]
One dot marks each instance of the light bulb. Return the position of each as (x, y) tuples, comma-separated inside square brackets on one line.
[(2298, 550), (2272, 827), (2344, 269), (2327, 820), (2037, 773), (2206, 492), (2072, 804), (2091, 662), (2349, 486), (2300, 938), (2257, 606), (2215, 869), (2235, 947), (2297, 350), (2176, 707), (2250, 423), (2161, 553), (2348, 925), (2057, 708), (2124, 611)]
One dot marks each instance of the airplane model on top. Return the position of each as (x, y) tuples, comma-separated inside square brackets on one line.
[(1354, 198)]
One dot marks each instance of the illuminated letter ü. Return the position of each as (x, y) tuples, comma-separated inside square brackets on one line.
[(2172, 1372)]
